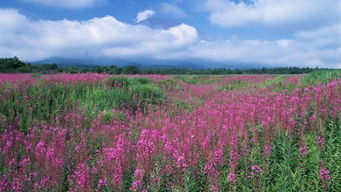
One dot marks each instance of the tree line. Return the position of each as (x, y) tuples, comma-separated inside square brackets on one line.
[(14, 65)]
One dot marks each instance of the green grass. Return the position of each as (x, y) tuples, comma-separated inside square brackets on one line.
[(289, 171), (276, 83), (198, 79), (44, 102), (184, 106), (320, 76), (129, 92), (237, 84), (39, 102), (170, 84)]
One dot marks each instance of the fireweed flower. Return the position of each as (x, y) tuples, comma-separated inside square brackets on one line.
[(304, 150), (138, 177), (267, 150), (101, 183), (180, 140), (44, 181), (214, 188), (320, 141), (324, 174), (17, 185), (24, 162), (232, 177), (81, 175), (4, 185), (256, 169)]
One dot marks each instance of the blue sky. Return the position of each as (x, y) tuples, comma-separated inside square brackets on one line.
[(272, 32)]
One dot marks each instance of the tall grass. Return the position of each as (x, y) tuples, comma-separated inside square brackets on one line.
[(320, 76), (44, 102)]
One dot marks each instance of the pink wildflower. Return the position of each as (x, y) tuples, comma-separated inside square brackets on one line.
[(304, 150), (324, 174), (138, 176), (267, 150), (256, 169), (101, 183), (44, 181), (232, 177), (320, 141), (82, 176), (17, 185)]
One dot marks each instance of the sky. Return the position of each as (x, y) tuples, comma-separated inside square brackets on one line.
[(275, 33)]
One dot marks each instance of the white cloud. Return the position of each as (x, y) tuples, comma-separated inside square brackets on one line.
[(34, 40), (141, 16), (271, 53), (299, 51), (172, 10), (72, 4), (274, 13), (329, 36)]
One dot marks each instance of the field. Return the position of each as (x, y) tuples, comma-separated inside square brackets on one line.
[(97, 132)]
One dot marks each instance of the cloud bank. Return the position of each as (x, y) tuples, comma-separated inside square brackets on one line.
[(34, 40), (273, 13)]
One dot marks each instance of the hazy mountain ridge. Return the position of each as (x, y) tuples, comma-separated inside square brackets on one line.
[(148, 63)]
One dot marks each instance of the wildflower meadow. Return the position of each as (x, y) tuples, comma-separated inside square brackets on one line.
[(98, 132)]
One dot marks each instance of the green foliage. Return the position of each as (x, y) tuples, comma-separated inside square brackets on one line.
[(10, 64), (169, 84), (121, 82), (184, 106), (128, 178), (26, 69), (131, 70), (131, 93), (276, 83), (197, 79), (44, 102), (38, 102), (332, 153), (147, 93), (321, 76), (237, 84), (113, 69), (188, 79), (194, 183)]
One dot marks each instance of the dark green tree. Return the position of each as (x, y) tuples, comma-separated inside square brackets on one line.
[(131, 70)]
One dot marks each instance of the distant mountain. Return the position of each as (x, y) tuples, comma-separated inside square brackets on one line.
[(148, 63), (78, 62), (140, 62), (159, 23)]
